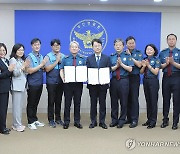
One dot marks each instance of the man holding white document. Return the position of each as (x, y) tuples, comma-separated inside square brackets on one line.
[(73, 83), (98, 82)]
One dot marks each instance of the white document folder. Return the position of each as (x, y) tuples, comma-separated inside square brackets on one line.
[(93, 76), (98, 76), (69, 73), (75, 74), (104, 75), (81, 73)]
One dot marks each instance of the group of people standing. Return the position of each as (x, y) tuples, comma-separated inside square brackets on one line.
[(20, 73)]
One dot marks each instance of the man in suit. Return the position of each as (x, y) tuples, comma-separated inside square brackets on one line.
[(5, 82), (98, 92)]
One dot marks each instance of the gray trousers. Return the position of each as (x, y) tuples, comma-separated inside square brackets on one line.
[(17, 106)]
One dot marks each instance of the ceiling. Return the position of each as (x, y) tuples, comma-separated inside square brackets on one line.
[(90, 2)]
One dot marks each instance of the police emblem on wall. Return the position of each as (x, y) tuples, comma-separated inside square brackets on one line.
[(85, 31)]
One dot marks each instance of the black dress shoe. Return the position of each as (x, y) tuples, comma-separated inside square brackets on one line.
[(66, 126), (133, 124), (103, 125), (164, 124), (120, 125), (59, 122), (127, 122), (145, 124), (78, 125), (92, 125), (174, 127), (112, 124), (5, 132), (150, 126)]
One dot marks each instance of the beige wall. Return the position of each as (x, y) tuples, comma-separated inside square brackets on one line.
[(170, 24)]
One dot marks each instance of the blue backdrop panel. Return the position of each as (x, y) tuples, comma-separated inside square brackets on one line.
[(78, 25)]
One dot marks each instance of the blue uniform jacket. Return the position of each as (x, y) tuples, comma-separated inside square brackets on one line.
[(137, 55), (155, 63), (176, 55), (68, 61), (125, 58)]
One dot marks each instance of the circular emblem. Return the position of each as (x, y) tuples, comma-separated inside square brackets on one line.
[(130, 144), (84, 32), (176, 54), (152, 62)]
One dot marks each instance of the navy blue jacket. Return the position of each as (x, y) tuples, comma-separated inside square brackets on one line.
[(104, 62), (5, 78)]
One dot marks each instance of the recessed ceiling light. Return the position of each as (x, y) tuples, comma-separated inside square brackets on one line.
[(103, 0), (157, 0)]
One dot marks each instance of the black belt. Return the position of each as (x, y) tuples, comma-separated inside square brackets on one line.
[(133, 75), (174, 74), (121, 77), (150, 77)]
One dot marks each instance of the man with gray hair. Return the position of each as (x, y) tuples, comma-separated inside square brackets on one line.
[(72, 89)]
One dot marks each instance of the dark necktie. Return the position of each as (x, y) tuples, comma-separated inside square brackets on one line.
[(169, 68), (118, 71), (7, 62), (98, 60), (74, 61)]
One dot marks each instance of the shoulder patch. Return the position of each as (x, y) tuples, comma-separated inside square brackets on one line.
[(126, 53), (138, 51), (81, 56), (164, 50), (157, 62), (130, 58), (112, 54)]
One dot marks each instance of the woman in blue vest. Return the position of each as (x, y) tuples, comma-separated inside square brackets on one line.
[(54, 83), (150, 69)]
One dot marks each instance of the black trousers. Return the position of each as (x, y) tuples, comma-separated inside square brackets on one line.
[(4, 97), (34, 94), (97, 94), (55, 92), (119, 89), (133, 98), (72, 91), (151, 88), (171, 85)]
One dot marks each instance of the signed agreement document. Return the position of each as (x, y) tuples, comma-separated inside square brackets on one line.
[(98, 76), (81, 73), (75, 74)]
